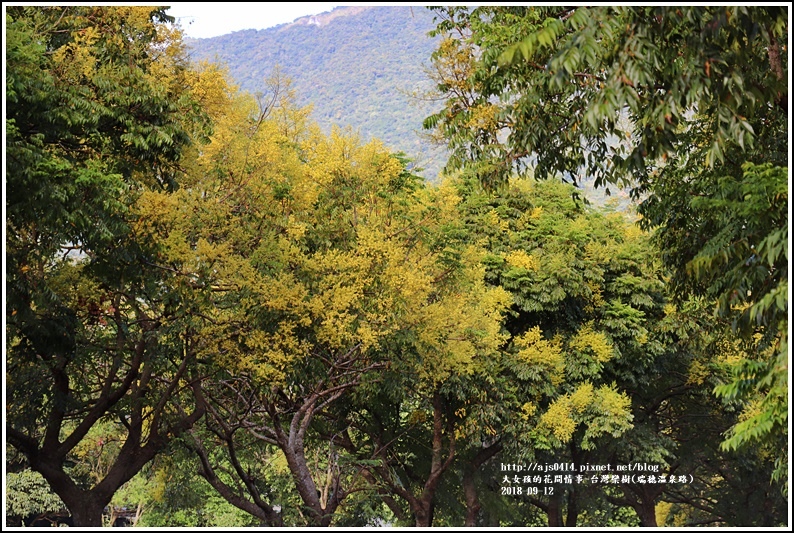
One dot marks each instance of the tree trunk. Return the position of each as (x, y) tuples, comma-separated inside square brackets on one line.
[(645, 505), (646, 510), (87, 513), (472, 500), (422, 506), (291, 444), (138, 512), (641, 498), (573, 509), (85, 506), (554, 510), (473, 505), (438, 464), (424, 517)]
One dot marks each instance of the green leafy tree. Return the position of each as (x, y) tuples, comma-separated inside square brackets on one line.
[(545, 387), (28, 495), (99, 109), (584, 288), (591, 312)]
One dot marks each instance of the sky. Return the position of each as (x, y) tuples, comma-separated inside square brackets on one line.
[(200, 20)]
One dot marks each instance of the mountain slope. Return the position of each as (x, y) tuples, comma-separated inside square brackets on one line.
[(357, 66)]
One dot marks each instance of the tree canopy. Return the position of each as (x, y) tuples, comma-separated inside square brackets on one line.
[(98, 112), (219, 315), (686, 106)]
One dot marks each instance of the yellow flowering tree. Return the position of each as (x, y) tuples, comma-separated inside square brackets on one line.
[(584, 292), (304, 259)]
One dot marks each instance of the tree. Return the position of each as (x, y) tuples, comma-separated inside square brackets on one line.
[(681, 104), (597, 351), (316, 253), (584, 290), (98, 111), (28, 497), (541, 388), (680, 423)]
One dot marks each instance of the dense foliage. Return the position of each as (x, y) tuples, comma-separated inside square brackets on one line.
[(220, 315), (688, 106), (98, 112)]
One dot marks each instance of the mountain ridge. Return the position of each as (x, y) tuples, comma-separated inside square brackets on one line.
[(324, 18)]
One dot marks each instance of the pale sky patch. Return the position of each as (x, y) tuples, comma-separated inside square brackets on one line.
[(202, 20)]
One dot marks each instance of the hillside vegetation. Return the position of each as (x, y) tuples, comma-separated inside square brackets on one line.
[(356, 66)]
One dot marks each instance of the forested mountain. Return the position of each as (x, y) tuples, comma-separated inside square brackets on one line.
[(357, 66)]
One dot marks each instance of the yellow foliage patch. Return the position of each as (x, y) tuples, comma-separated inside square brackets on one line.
[(698, 373), (613, 403), (594, 342), (582, 397), (528, 410), (558, 419), (535, 350), (633, 232), (483, 117), (662, 511), (521, 259)]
